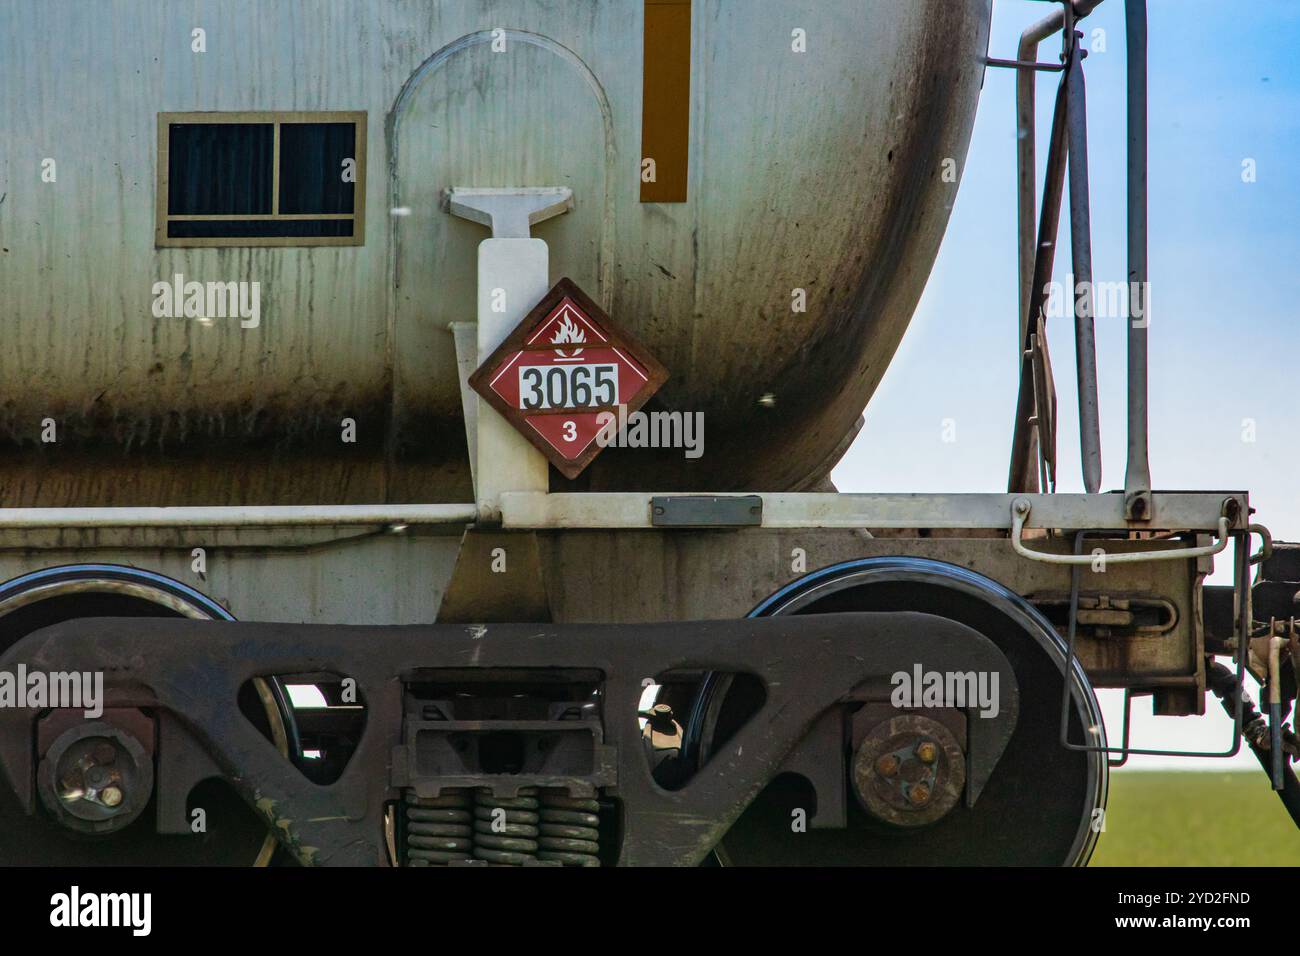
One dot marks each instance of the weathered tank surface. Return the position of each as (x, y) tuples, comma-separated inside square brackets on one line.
[(821, 170)]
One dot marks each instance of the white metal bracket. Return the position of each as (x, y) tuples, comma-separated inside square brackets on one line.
[(513, 276), (509, 213)]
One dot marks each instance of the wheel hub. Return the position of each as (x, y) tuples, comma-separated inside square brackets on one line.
[(909, 771), (95, 778)]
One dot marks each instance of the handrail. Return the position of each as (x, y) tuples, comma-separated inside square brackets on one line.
[(1020, 509)]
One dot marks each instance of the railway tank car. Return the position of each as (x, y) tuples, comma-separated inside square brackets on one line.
[(257, 260), (818, 172)]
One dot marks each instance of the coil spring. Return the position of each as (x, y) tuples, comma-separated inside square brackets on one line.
[(512, 841), (438, 829), (570, 833)]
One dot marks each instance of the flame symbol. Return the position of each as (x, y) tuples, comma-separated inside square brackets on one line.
[(568, 333)]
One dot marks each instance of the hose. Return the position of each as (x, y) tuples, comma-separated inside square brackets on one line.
[(1223, 681)]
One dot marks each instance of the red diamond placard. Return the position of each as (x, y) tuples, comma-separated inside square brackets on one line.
[(562, 366)]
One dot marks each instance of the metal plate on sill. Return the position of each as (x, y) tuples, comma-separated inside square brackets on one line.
[(706, 511)]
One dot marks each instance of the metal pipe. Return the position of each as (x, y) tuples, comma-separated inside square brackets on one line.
[(1028, 402), (1085, 344), (1023, 479), (1050, 219), (1024, 65), (1137, 474), (276, 516), (1020, 510), (1027, 52), (1275, 645)]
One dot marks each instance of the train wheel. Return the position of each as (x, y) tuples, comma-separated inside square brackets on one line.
[(233, 834), (1043, 802)]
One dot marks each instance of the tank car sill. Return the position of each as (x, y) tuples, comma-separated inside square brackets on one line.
[(1173, 511), (307, 525)]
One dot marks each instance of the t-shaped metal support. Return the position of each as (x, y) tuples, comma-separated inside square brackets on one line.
[(508, 212), (513, 275)]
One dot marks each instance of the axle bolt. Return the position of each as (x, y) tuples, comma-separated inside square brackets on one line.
[(926, 751), (919, 794), (110, 796), (887, 766), (97, 777)]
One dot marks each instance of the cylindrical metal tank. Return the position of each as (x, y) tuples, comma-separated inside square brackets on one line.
[(825, 141)]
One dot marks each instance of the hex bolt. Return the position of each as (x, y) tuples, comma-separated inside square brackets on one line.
[(661, 718), (919, 794), (97, 777), (105, 753), (926, 751), (110, 796), (887, 766)]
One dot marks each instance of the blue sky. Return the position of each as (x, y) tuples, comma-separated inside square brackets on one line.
[(1224, 272)]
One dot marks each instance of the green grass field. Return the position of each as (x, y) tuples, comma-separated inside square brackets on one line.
[(1191, 818)]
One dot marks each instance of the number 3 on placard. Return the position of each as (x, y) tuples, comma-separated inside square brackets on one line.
[(570, 431)]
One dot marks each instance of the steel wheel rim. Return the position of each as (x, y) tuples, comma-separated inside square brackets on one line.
[(71, 579), (816, 586)]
